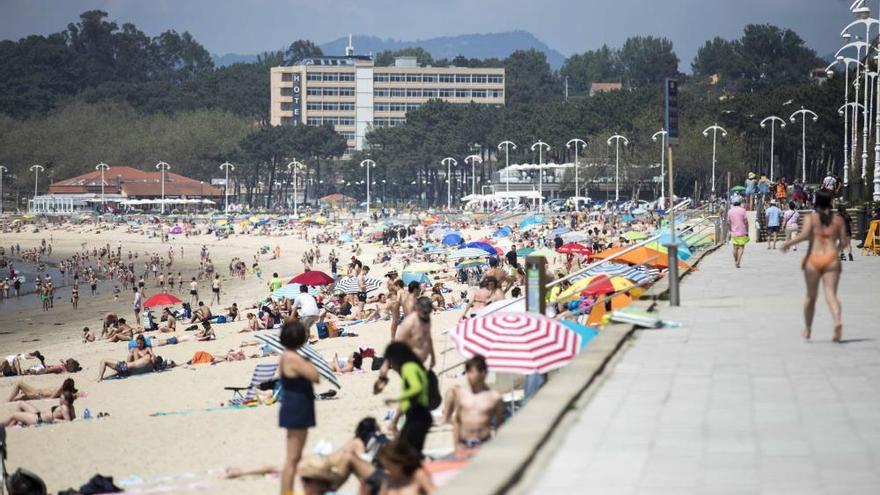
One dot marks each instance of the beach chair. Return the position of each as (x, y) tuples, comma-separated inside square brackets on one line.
[(262, 373)]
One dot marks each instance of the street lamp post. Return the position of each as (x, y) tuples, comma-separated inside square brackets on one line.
[(577, 184), (368, 164), (2, 170), (449, 162), (292, 167), (862, 13), (772, 119), (507, 145), (102, 167), (714, 128), (844, 110), (541, 145), (617, 138), (227, 167), (37, 169), (662, 134), (803, 112), (162, 166), (473, 159)]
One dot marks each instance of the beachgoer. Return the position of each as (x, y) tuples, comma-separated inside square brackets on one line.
[(774, 221), (790, 221), (29, 415), (215, 289), (139, 358), (405, 475), (23, 391), (473, 409), (737, 218), (412, 402), (306, 308)]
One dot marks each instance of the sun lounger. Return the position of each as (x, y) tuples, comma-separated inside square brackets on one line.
[(262, 373)]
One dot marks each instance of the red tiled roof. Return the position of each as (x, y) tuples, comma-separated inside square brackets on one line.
[(606, 86), (134, 182)]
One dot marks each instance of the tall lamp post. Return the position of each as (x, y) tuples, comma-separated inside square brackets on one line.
[(803, 112), (844, 110), (662, 133), (772, 119), (715, 128), (449, 162), (507, 145), (876, 181), (162, 167), (2, 171), (617, 138), (292, 167), (227, 167), (473, 159), (541, 146), (863, 16), (368, 164), (102, 167), (37, 169), (577, 184)]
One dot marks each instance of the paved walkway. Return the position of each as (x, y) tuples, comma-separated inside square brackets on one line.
[(737, 402)]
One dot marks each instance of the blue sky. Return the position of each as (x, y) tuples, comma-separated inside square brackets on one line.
[(570, 26)]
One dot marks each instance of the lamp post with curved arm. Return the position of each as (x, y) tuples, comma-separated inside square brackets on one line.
[(541, 145), (715, 128), (853, 134), (2, 170), (368, 164), (803, 112), (227, 167), (162, 167), (473, 159), (844, 110), (617, 138), (102, 167), (862, 13), (662, 133), (772, 119), (577, 185), (449, 162), (37, 169), (292, 167), (507, 145)]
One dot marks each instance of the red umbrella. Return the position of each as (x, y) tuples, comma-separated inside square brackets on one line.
[(517, 342), (600, 284), (314, 277), (575, 248), (161, 299)]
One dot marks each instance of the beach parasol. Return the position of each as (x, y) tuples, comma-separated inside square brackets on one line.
[(592, 285), (349, 285), (423, 267), (470, 252), (307, 351), (627, 218), (291, 291), (161, 299), (544, 252), (522, 343), (418, 277), (639, 256), (559, 231), (314, 277), (469, 263), (737, 189), (345, 238), (639, 275), (488, 248), (452, 239), (587, 333), (573, 237), (502, 232), (532, 220), (660, 245), (574, 248), (525, 251), (634, 235), (177, 229)]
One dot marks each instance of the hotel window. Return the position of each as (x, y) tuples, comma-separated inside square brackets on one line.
[(447, 78), (496, 93), (396, 121), (478, 93), (330, 107), (346, 76), (381, 92), (286, 120), (398, 92), (380, 122), (462, 78), (496, 79), (286, 91), (414, 93), (314, 121), (429, 93), (313, 76), (346, 107), (429, 78), (413, 78), (345, 121), (380, 77), (412, 106), (346, 91), (479, 78), (331, 76), (349, 136), (462, 93), (380, 107), (313, 92), (313, 106), (446, 92), (286, 105), (331, 91), (396, 107), (287, 77), (398, 78)]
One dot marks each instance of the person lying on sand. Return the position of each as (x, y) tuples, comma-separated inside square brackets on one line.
[(23, 391), (28, 415), (354, 362), (140, 358), (11, 366)]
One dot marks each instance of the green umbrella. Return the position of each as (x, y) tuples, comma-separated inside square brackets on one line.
[(544, 252), (635, 235), (524, 251), (738, 188)]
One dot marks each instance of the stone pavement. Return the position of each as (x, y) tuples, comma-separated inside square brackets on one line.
[(736, 401)]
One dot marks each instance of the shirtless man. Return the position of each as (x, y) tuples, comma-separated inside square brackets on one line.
[(202, 315), (140, 358), (362, 289), (501, 277), (396, 295), (170, 322), (471, 408), (413, 291), (479, 299), (415, 331)]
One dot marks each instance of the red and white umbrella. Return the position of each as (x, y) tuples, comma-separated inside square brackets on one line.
[(522, 343)]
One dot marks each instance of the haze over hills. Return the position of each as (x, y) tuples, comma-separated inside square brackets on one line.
[(498, 45)]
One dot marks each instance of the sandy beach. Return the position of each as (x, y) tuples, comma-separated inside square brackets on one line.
[(161, 433)]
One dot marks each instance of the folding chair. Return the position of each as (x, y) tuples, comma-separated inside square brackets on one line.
[(262, 373)]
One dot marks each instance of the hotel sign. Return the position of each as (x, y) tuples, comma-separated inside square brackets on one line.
[(297, 97)]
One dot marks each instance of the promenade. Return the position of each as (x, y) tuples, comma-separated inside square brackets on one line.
[(735, 401)]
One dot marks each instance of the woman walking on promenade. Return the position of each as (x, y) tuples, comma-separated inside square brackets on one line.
[(298, 399), (827, 235)]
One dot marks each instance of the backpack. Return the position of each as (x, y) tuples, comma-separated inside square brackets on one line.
[(434, 396)]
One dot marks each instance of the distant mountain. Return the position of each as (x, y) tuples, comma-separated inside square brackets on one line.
[(498, 45), (232, 58)]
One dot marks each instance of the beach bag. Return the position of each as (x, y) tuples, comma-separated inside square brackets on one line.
[(221, 319), (323, 330), (434, 396)]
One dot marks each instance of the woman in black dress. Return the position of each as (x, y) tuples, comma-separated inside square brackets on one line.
[(298, 399)]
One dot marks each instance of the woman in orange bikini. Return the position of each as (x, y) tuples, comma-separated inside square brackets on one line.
[(827, 234)]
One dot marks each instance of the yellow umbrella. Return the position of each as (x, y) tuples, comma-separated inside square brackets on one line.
[(222, 221), (423, 267), (598, 283), (321, 220)]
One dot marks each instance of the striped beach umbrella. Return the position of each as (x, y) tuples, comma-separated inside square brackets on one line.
[(291, 291), (523, 343), (349, 285), (470, 252), (272, 340)]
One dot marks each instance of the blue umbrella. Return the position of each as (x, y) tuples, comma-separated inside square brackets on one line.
[(482, 245), (683, 251), (345, 238), (502, 232), (587, 334), (452, 239), (531, 220), (627, 218), (421, 278)]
